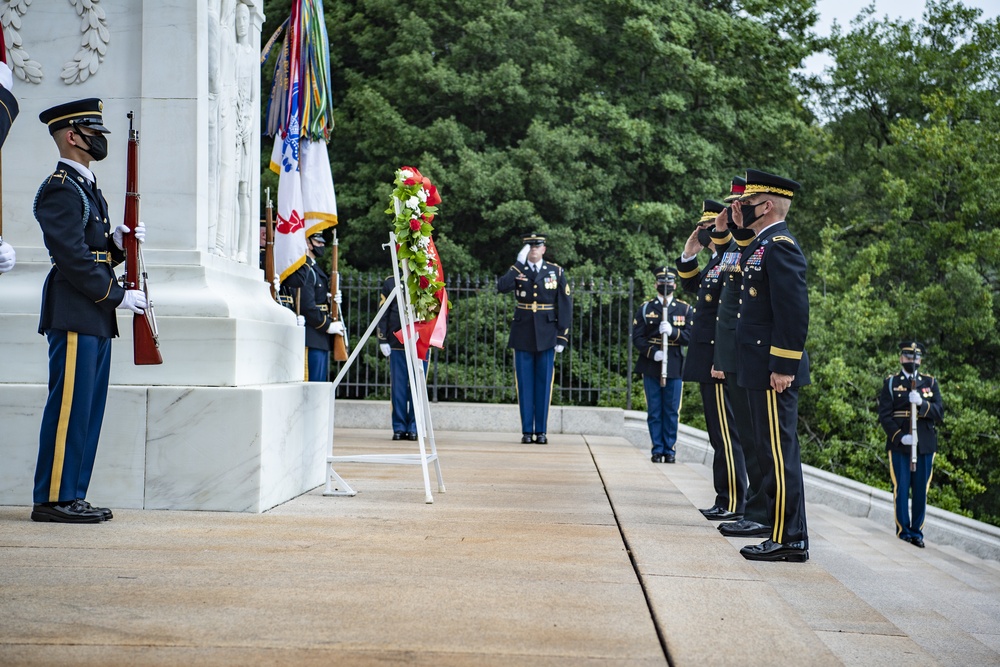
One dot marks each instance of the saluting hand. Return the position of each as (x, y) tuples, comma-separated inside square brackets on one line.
[(691, 246), (523, 255)]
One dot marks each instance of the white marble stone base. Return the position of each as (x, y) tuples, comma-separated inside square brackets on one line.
[(240, 449)]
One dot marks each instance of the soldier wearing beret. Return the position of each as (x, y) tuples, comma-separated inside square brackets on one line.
[(539, 331), (8, 112), (308, 288), (907, 390), (728, 469), (79, 299), (730, 240), (660, 328), (771, 329)]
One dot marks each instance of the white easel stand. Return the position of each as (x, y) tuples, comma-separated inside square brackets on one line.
[(335, 484)]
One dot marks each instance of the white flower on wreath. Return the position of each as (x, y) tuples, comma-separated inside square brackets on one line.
[(422, 194), (413, 203), (406, 173), (424, 242)]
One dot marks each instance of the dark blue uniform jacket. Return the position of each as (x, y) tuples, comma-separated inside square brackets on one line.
[(707, 284), (544, 306), (647, 339), (309, 284), (894, 412)]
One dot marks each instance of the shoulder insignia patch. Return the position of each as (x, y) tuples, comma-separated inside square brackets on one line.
[(783, 238)]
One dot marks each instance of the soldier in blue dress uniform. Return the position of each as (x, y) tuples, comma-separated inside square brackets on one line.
[(771, 329), (909, 388), (404, 419), (539, 330), (663, 318), (728, 468), (309, 286), (78, 312), (8, 112)]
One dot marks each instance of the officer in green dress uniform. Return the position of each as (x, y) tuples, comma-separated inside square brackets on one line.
[(771, 329), (79, 299), (900, 393), (539, 331), (728, 469)]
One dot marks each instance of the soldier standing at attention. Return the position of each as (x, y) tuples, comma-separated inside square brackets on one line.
[(308, 287), (771, 329), (78, 312), (660, 328), (900, 393), (728, 468), (8, 113), (539, 330), (404, 419)]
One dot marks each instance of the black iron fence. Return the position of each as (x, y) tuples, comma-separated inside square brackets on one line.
[(476, 365)]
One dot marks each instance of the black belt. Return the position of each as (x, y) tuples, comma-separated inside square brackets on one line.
[(100, 256)]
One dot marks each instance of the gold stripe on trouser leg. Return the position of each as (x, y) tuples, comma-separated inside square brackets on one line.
[(895, 490), (517, 390), (65, 408), (305, 370), (927, 491), (727, 444), (777, 533)]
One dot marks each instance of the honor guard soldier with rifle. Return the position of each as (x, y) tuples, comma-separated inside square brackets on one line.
[(771, 329), (660, 328), (79, 299), (308, 288), (910, 399), (539, 330), (404, 418), (728, 469), (8, 112)]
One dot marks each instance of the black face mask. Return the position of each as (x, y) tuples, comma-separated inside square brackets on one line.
[(910, 366), (665, 289), (97, 146), (750, 213), (319, 251), (704, 237)]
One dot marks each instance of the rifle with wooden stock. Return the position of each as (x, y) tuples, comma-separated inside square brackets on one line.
[(269, 245), (145, 340), (339, 340)]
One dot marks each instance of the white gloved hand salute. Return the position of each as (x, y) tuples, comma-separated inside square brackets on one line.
[(916, 398), (523, 255), (385, 349), (134, 300), (121, 230), (7, 257), (336, 328), (665, 328)]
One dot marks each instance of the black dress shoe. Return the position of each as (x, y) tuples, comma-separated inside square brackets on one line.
[(74, 512), (411, 436), (917, 542), (526, 439), (744, 528), (398, 436), (721, 514), (656, 458), (793, 552), (668, 458), (711, 510), (541, 439), (105, 512)]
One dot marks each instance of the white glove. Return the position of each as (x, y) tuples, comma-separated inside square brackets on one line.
[(121, 230), (523, 255), (907, 439), (386, 350), (336, 328), (665, 328), (6, 78), (277, 284), (916, 398), (658, 356), (7, 256), (299, 320), (560, 348), (134, 300), (338, 298)]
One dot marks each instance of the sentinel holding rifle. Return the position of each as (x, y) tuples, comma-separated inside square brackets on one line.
[(909, 409)]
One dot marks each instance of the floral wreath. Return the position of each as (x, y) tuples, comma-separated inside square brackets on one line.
[(414, 203)]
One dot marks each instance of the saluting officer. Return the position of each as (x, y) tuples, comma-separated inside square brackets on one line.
[(539, 330), (730, 240), (728, 468), (7, 115), (308, 287), (771, 333), (909, 388), (79, 299), (663, 319)]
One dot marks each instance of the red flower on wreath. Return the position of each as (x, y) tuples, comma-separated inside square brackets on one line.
[(424, 282), (415, 224)]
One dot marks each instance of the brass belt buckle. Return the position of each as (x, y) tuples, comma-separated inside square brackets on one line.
[(534, 306)]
